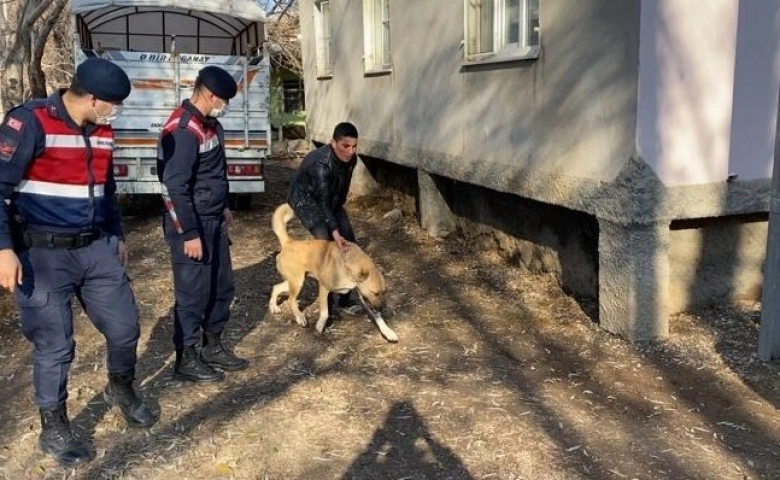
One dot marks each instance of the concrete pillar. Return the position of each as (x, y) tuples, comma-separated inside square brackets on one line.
[(634, 279), (363, 182), (435, 215)]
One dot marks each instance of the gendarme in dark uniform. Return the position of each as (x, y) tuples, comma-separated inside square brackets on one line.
[(193, 170), (60, 235)]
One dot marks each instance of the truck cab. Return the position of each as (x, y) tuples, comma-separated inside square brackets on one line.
[(162, 45)]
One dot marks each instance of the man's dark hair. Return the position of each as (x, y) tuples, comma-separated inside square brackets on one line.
[(76, 88), (344, 129)]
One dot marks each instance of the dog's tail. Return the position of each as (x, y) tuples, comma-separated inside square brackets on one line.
[(283, 214)]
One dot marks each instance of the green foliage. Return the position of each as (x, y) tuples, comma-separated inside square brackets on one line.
[(278, 116)]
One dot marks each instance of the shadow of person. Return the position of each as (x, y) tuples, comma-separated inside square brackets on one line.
[(403, 447)]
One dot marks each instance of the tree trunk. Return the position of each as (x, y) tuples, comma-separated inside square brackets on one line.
[(36, 76), (19, 53), (5, 28)]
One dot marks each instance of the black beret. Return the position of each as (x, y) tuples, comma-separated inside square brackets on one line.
[(103, 79), (218, 81)]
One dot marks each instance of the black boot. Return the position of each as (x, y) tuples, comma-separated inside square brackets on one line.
[(216, 355), (119, 392), (189, 366), (57, 438)]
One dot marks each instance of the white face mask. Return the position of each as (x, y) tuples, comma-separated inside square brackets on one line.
[(218, 112), (110, 118)]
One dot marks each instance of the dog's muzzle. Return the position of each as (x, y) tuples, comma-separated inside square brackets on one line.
[(371, 309)]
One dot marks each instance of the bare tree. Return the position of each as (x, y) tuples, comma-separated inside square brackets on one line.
[(57, 61), (40, 37), (21, 73), (284, 36)]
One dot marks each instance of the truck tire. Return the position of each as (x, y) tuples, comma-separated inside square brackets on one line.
[(241, 201)]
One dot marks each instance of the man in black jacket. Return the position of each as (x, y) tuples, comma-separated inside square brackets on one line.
[(319, 190), (193, 170)]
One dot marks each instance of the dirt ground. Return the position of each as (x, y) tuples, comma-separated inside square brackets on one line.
[(498, 375)]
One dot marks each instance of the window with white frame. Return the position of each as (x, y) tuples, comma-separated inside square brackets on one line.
[(376, 35), (501, 29), (322, 29)]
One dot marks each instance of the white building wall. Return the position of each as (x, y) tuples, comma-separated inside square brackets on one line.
[(756, 86), (708, 89)]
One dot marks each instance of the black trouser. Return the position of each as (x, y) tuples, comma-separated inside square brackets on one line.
[(204, 288), (322, 232)]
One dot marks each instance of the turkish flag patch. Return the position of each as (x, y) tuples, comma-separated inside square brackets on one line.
[(15, 124)]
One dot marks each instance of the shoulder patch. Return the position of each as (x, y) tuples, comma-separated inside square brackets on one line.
[(10, 134), (14, 123), (7, 148)]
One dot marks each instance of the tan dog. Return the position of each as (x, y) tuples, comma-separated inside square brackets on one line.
[(335, 270)]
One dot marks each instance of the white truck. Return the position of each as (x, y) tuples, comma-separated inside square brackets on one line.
[(162, 44)]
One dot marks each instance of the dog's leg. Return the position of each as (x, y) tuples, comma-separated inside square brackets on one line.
[(292, 300), (387, 332), (324, 313), (376, 316), (279, 288)]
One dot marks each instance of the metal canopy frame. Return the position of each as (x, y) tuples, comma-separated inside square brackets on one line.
[(243, 28)]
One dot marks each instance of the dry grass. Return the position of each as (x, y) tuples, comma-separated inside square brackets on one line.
[(497, 375), (7, 306)]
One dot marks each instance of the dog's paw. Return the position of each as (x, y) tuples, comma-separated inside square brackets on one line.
[(322, 322), (300, 319), (274, 308), (390, 335), (387, 332)]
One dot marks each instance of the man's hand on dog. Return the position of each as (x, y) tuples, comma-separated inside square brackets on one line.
[(340, 241)]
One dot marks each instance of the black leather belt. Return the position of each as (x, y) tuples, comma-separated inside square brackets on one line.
[(60, 240)]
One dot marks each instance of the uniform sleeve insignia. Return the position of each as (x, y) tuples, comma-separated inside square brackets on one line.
[(15, 124), (7, 148)]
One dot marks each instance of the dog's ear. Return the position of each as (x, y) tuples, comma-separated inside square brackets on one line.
[(362, 275)]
